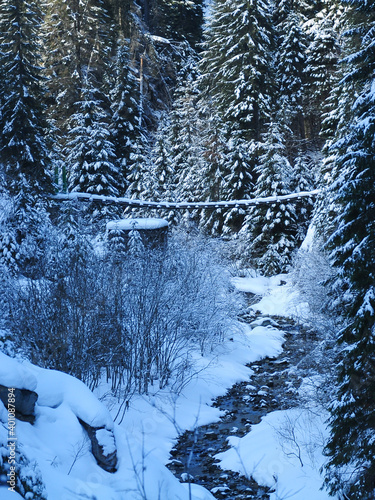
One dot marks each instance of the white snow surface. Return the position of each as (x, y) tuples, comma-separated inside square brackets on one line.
[(6, 494), (270, 454), (279, 296), (152, 423), (13, 373)]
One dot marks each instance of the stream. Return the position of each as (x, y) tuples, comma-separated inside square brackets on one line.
[(272, 386)]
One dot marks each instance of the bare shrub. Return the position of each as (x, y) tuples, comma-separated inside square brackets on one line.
[(131, 317)]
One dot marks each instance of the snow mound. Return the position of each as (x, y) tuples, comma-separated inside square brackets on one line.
[(15, 374), (55, 388)]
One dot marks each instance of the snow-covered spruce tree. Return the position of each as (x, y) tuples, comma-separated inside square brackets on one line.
[(125, 113), (24, 153), (335, 124), (9, 248), (270, 229), (161, 163), (186, 134), (79, 42), (24, 148), (239, 179), (135, 243), (90, 153), (290, 64), (302, 180), (351, 448), (162, 182), (236, 62), (28, 479), (140, 174), (214, 150), (321, 65)]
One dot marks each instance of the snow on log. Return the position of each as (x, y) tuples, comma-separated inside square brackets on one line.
[(185, 205)]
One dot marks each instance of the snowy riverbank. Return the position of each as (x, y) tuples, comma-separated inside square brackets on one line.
[(152, 423)]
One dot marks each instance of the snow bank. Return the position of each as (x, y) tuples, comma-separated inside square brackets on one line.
[(279, 297), (283, 452), (55, 388), (59, 443)]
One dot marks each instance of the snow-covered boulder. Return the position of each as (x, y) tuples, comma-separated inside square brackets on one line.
[(103, 446), (51, 388), (17, 387)]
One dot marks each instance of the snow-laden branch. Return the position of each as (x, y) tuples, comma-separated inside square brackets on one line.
[(182, 205)]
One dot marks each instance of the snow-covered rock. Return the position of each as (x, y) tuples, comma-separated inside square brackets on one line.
[(14, 373), (103, 446)]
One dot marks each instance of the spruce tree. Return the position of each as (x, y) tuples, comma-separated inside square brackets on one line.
[(290, 65), (161, 187), (270, 229), (79, 44), (24, 151), (215, 160), (239, 179), (337, 114), (24, 148), (303, 179), (124, 125), (90, 153), (140, 177), (321, 67), (351, 447), (236, 63), (186, 139)]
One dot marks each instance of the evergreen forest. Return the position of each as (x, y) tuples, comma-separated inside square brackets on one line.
[(190, 100)]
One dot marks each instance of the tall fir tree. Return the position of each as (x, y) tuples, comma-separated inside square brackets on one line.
[(351, 447), (236, 63), (25, 156), (336, 117), (303, 179), (271, 229), (24, 151), (290, 65), (239, 179), (321, 66), (125, 118), (90, 153), (140, 176), (161, 188), (80, 39), (186, 138), (215, 168)]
